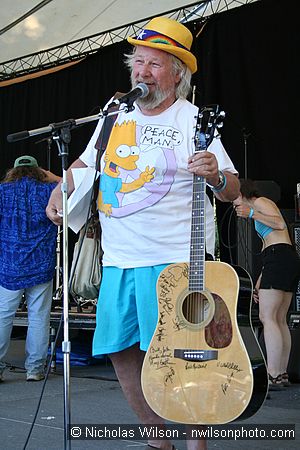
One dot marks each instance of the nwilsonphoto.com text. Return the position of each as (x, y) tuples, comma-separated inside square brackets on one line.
[(179, 432)]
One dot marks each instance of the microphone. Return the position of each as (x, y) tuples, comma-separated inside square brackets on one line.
[(141, 90)]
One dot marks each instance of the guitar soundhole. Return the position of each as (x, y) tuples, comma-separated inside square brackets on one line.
[(195, 308)]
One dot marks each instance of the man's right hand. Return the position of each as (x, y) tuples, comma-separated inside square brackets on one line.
[(54, 207)]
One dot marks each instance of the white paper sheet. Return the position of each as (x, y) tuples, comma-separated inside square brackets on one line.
[(79, 200)]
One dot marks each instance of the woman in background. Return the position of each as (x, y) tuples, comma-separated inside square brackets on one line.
[(278, 279)]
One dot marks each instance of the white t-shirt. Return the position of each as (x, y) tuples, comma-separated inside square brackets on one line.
[(149, 220)]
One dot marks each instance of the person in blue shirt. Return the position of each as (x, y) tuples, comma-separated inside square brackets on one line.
[(27, 259), (278, 280)]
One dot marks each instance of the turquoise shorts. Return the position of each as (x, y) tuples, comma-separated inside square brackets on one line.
[(127, 309)]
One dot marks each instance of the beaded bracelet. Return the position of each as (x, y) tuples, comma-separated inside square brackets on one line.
[(251, 212)]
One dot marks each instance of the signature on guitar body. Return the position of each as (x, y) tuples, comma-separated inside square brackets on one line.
[(197, 369)]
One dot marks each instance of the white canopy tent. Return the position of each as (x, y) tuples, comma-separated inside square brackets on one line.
[(35, 36)]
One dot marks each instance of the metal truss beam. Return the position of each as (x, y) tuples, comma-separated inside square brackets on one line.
[(81, 48)]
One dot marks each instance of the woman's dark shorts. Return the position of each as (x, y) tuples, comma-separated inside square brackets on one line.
[(281, 268)]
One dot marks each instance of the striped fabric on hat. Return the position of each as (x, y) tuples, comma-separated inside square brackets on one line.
[(158, 38)]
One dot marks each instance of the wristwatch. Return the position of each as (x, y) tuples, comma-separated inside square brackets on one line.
[(221, 184)]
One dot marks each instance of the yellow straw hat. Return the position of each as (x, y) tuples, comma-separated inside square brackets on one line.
[(170, 36)]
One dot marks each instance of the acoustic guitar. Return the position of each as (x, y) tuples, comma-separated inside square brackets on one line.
[(197, 369)]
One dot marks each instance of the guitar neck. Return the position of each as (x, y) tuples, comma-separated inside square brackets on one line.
[(208, 120), (197, 246)]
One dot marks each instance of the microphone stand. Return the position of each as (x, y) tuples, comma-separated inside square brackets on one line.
[(61, 134), (248, 254), (246, 136), (62, 138)]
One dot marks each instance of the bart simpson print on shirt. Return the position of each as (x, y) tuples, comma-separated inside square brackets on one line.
[(134, 176)]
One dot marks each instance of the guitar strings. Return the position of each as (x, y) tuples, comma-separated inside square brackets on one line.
[(195, 310)]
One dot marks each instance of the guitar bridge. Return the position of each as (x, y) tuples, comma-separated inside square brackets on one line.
[(196, 355)]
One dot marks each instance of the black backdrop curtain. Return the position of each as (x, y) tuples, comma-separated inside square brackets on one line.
[(248, 60), (75, 92), (247, 63)]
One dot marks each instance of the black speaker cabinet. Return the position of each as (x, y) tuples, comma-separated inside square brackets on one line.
[(294, 362), (296, 300)]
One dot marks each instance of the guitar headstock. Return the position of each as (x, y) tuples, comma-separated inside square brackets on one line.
[(209, 118)]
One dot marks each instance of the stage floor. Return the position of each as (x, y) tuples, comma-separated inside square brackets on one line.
[(96, 398)]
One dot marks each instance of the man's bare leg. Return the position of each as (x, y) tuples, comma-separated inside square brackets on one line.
[(196, 444), (128, 365)]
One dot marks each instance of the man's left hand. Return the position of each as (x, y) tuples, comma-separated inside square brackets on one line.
[(205, 165)]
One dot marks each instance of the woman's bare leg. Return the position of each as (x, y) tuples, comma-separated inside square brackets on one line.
[(285, 331), (270, 301)]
